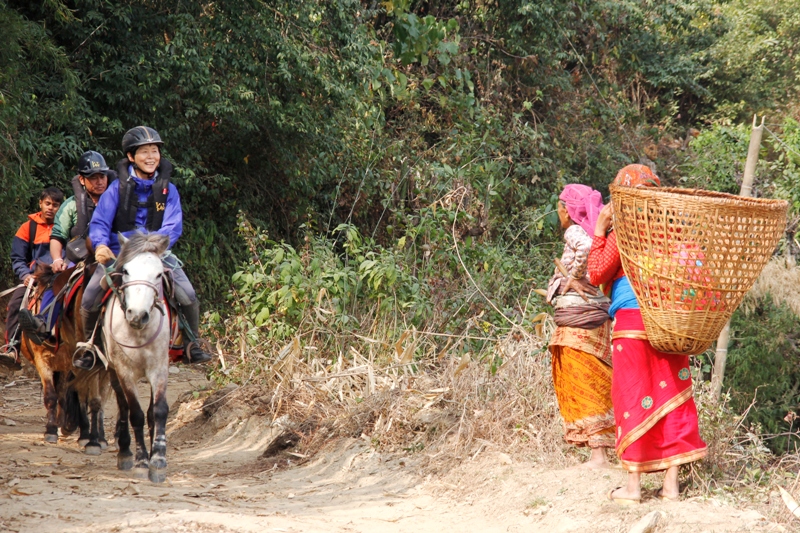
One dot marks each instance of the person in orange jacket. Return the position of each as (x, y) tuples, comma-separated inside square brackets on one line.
[(31, 243)]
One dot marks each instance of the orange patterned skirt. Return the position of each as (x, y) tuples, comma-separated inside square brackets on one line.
[(583, 387)]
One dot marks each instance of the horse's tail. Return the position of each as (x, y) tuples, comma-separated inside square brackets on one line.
[(72, 406)]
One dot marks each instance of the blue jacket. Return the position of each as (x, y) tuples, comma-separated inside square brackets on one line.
[(106, 210), (25, 253)]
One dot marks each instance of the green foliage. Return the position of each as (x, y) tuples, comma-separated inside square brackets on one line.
[(762, 366), (434, 136), (336, 112), (352, 285), (416, 38), (719, 163), (718, 156), (787, 164), (246, 95), (282, 285), (38, 98), (752, 62)]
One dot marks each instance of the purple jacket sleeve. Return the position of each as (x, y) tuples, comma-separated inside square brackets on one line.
[(172, 226), (103, 217)]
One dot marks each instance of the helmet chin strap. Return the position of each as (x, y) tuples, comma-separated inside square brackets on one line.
[(142, 172), (149, 176)]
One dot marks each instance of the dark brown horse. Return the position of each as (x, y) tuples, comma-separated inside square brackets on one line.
[(73, 398)]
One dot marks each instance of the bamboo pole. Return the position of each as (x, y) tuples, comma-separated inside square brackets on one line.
[(721, 354)]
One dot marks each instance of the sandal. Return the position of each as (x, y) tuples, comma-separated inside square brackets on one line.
[(660, 496), (622, 501)]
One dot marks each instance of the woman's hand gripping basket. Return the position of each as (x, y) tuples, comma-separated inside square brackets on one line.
[(690, 256)]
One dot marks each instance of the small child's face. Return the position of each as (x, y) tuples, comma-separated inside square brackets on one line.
[(563, 216)]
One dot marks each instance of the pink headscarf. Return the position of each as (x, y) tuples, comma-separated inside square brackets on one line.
[(583, 205)]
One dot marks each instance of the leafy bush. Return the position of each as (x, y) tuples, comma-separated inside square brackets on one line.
[(762, 375), (281, 286), (787, 164), (762, 365), (718, 165)]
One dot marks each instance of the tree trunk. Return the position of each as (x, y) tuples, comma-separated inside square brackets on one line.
[(721, 355)]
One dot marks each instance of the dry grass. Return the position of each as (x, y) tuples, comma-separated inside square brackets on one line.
[(780, 279), (739, 467), (404, 395), (410, 396), (428, 396)]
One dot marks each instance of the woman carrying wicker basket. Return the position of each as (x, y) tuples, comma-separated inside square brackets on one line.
[(654, 410), (581, 344)]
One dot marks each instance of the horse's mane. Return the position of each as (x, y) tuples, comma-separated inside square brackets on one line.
[(43, 273), (140, 243)]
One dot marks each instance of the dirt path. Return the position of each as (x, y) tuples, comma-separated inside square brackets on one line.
[(215, 485)]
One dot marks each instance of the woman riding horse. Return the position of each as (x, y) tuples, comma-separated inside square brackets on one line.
[(142, 199)]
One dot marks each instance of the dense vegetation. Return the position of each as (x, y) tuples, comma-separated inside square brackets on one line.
[(394, 147)]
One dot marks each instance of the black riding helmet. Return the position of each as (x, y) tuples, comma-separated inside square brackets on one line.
[(140, 136), (90, 163)]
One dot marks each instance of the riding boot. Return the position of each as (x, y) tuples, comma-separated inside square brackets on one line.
[(84, 356), (34, 327), (194, 350), (90, 319)]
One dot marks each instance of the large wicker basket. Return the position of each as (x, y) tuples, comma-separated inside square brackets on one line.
[(690, 256)]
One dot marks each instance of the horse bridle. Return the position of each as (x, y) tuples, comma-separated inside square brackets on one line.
[(119, 292), (119, 289)]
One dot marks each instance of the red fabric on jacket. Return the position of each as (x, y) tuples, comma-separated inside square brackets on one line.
[(604, 264)]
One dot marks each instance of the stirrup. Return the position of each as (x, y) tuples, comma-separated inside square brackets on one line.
[(9, 356), (200, 345), (81, 350)]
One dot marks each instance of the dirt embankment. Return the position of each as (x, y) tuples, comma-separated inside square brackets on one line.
[(218, 483)]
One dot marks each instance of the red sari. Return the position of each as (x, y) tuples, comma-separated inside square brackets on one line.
[(654, 408), (651, 391)]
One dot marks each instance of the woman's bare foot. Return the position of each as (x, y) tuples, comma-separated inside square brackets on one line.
[(670, 490), (597, 461), (630, 493)]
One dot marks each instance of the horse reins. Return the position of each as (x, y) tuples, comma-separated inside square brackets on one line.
[(119, 294), (12, 289)]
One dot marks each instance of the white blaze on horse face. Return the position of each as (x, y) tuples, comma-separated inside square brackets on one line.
[(140, 298)]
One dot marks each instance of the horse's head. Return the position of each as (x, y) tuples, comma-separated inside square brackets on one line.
[(140, 270)]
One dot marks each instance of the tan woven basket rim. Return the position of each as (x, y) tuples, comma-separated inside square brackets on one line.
[(710, 197), (736, 236)]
